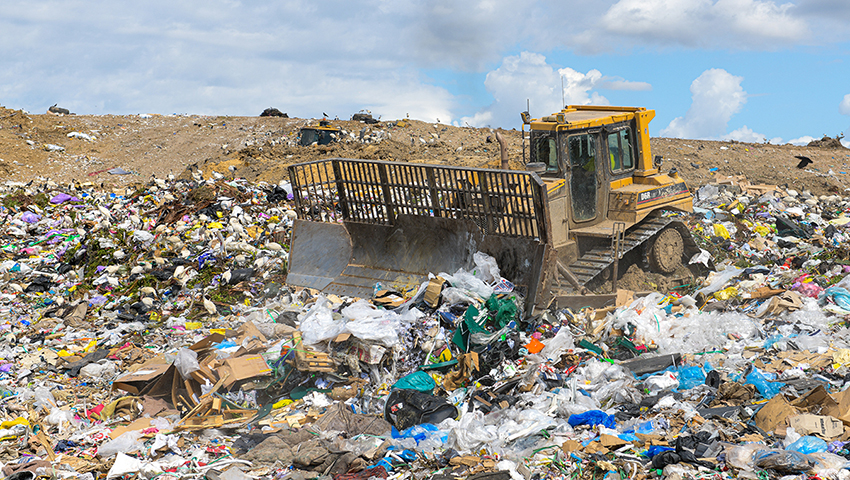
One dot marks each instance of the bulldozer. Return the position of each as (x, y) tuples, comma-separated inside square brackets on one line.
[(591, 200), (322, 134)]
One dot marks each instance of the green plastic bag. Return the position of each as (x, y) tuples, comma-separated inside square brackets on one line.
[(419, 381), (502, 310)]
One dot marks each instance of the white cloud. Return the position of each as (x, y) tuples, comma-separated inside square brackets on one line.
[(578, 86), (529, 76), (746, 134), (519, 77), (716, 95), (844, 106), (804, 140), (740, 24)]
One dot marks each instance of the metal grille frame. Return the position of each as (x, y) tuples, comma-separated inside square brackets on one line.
[(505, 203)]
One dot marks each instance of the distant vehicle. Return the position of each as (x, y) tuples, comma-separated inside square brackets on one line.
[(322, 134)]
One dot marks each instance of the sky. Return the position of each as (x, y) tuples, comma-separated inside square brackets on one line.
[(747, 70)]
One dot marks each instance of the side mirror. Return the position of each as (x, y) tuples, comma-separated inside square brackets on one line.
[(526, 118), (536, 167)]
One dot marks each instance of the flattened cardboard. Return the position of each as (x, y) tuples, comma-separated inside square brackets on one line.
[(388, 298), (774, 413), (570, 446), (816, 400), (134, 382), (138, 424), (609, 441), (243, 368), (207, 342), (823, 426)]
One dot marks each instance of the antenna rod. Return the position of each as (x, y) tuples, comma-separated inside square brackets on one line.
[(563, 100)]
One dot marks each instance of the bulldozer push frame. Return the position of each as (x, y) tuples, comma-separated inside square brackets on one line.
[(589, 185)]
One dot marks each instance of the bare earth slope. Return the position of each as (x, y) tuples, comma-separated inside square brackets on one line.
[(259, 148)]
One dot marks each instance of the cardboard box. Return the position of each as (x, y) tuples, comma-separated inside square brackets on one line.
[(823, 426), (433, 291)]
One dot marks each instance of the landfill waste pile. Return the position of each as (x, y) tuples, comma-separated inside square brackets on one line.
[(149, 333)]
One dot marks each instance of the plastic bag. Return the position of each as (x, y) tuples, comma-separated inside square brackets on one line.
[(318, 324), (186, 362), (718, 280), (419, 381), (782, 461), (43, 398), (469, 283), (825, 464), (742, 457), (839, 295), (558, 345), (808, 444), (592, 418), (690, 377), (766, 388), (127, 442), (486, 268), (503, 310), (663, 381), (471, 433), (370, 323)]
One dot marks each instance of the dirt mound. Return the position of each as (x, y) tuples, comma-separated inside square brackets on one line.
[(85, 148), (828, 142)]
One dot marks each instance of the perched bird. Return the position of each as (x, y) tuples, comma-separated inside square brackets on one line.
[(804, 161)]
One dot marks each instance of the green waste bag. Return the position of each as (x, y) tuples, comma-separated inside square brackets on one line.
[(419, 381), (503, 310)]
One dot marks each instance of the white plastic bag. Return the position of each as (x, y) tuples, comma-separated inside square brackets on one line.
[(127, 442), (186, 362), (318, 324), (469, 283), (486, 268)]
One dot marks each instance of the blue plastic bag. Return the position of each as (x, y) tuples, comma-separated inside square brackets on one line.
[(592, 418), (808, 444), (839, 295), (419, 432), (655, 450), (690, 377), (766, 389)]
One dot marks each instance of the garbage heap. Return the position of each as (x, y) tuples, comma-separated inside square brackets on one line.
[(150, 334)]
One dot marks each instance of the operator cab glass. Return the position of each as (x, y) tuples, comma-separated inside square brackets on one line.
[(544, 149), (582, 153), (620, 150)]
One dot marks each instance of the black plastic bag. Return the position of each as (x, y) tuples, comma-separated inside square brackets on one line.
[(406, 408)]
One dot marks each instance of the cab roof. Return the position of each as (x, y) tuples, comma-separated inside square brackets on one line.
[(575, 117)]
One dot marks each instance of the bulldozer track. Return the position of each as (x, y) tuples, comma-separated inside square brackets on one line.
[(589, 268)]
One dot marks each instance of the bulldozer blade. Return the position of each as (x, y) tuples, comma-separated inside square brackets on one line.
[(351, 258)]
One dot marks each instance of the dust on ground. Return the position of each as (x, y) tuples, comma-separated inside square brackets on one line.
[(638, 280), (260, 149)]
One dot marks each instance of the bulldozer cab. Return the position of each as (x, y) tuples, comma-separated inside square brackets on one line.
[(587, 159)]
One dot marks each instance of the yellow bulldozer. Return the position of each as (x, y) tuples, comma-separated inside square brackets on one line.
[(590, 200)]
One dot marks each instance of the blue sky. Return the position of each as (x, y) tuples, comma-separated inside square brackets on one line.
[(747, 70)]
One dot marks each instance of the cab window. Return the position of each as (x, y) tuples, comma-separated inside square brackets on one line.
[(544, 149), (620, 150)]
